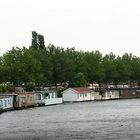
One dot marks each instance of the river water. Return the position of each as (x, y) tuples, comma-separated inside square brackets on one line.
[(101, 120)]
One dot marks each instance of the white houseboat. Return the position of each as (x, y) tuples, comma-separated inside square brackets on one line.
[(6, 102), (47, 98), (110, 94), (78, 94)]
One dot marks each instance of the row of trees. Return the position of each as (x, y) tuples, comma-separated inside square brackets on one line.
[(49, 65)]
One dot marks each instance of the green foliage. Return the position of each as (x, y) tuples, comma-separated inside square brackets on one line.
[(41, 42), (30, 86), (3, 88), (37, 41), (110, 68), (78, 80), (51, 65), (34, 40), (10, 88)]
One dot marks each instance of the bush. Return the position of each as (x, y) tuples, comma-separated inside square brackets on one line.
[(3, 88), (30, 87)]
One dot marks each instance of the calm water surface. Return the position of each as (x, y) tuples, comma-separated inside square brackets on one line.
[(105, 120)]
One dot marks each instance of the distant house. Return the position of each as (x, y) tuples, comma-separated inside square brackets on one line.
[(114, 86), (93, 86), (78, 94)]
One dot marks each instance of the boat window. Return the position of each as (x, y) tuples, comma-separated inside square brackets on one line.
[(46, 94), (103, 94), (43, 95), (38, 96)]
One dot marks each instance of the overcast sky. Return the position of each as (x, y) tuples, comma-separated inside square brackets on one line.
[(104, 25)]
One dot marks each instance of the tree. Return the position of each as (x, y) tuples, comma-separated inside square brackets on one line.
[(37, 41), (135, 75), (2, 73), (51, 65), (78, 80), (123, 70), (34, 40), (95, 67), (41, 42), (21, 66), (109, 68)]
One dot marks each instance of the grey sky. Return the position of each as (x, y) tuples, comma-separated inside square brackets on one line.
[(104, 25)]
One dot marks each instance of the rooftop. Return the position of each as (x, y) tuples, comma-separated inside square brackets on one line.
[(82, 89)]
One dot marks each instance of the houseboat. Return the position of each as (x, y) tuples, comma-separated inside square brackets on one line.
[(53, 99), (40, 98), (138, 93), (78, 94), (127, 93), (104, 94), (47, 98), (6, 103), (97, 96), (110, 94), (24, 99)]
